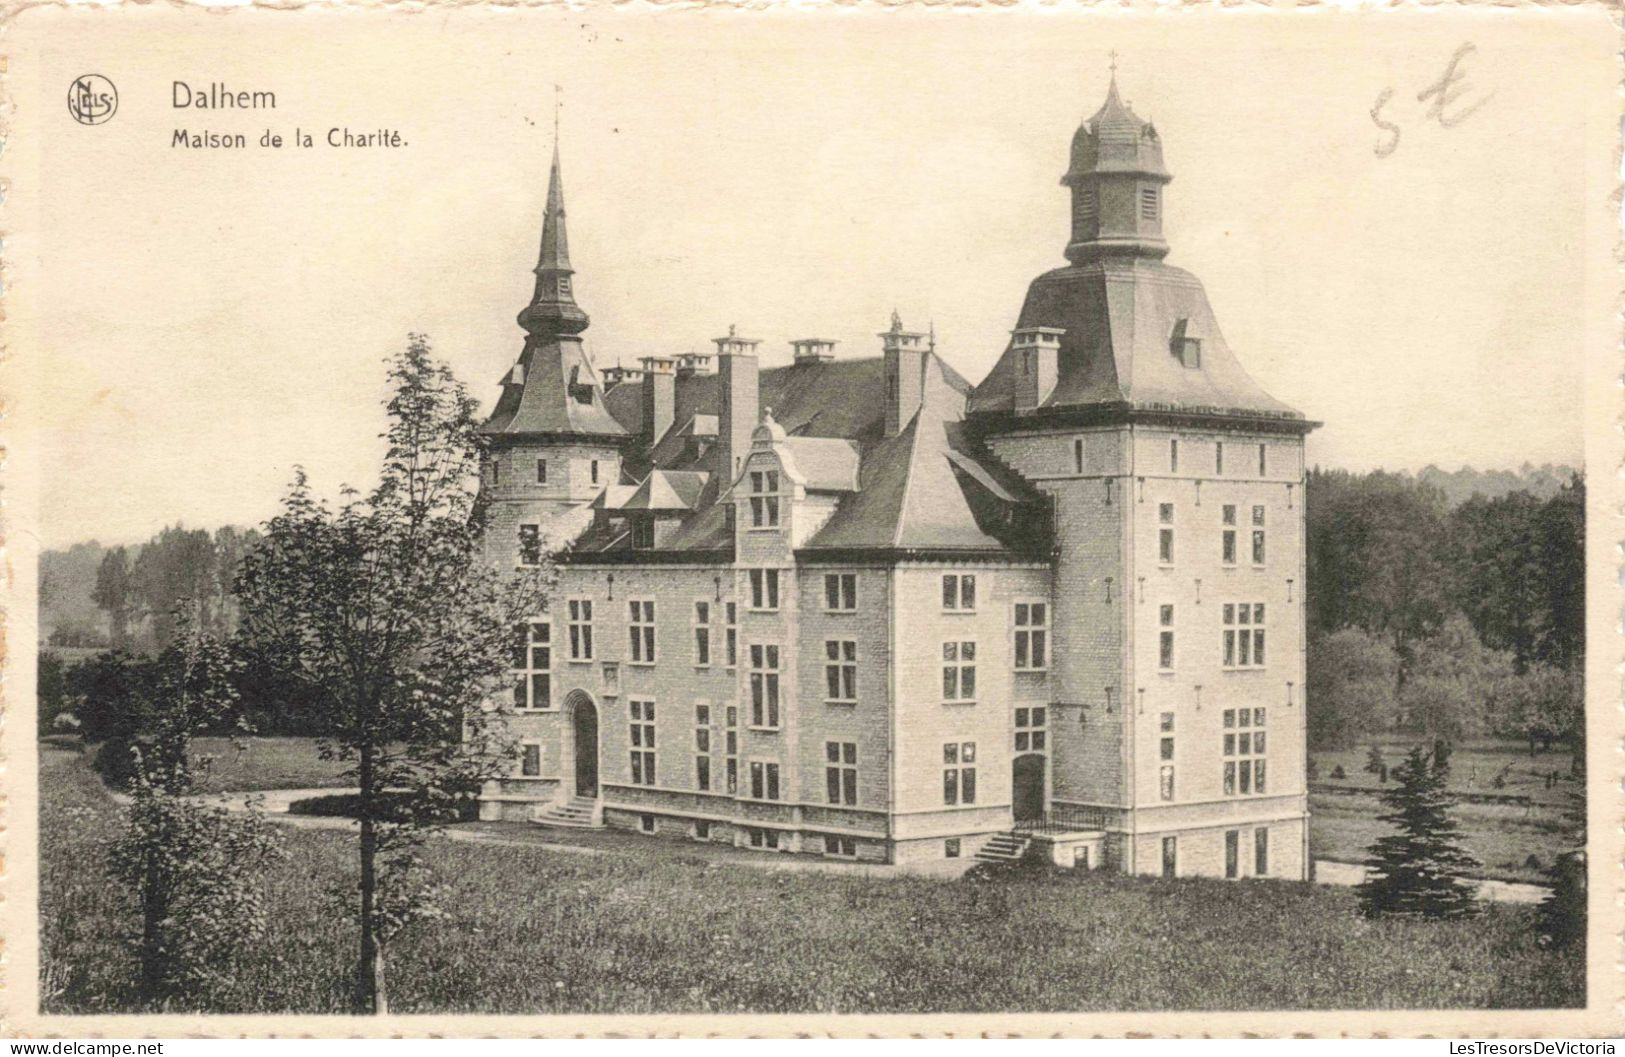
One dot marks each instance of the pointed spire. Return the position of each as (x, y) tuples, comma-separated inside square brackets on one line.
[(553, 310), (555, 255)]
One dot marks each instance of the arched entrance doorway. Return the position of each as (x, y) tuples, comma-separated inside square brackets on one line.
[(584, 742), (1027, 787)]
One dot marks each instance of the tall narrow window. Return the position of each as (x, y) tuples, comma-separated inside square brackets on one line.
[(1244, 751), (1218, 458), (764, 498), (1077, 455), (1232, 852), (641, 630), (841, 772), (841, 671), (1243, 635), (1261, 852), (541, 471), (730, 634), (1165, 754), (530, 544), (702, 634), (959, 773), (1165, 533), (1227, 548), (702, 748), (1031, 732), (1258, 535), (642, 742), (594, 471), (764, 589), (1148, 203), (1263, 460), (764, 686), (580, 610), (730, 749), (496, 470), (1031, 636), (533, 666), (764, 780), (530, 763), (1170, 857), (959, 672), (1165, 638), (1173, 456)]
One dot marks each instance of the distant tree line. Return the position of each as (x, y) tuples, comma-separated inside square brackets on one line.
[(1439, 620)]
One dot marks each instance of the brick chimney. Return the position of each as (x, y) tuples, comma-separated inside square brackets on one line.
[(905, 374), (659, 396), (1037, 356), (741, 399)]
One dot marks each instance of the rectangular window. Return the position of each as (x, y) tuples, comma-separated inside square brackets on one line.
[(730, 634), (841, 847), (646, 823), (840, 592), (643, 533), (764, 780), (1148, 203), (496, 470), (595, 471), (1261, 852), (1232, 852), (1077, 455), (1165, 535), (1243, 634), (642, 733), (840, 670), (764, 686), (541, 471), (764, 589), (959, 773), (1228, 541), (641, 630), (1244, 751), (702, 829), (1165, 753), (580, 611), (731, 749), (1031, 735), (1173, 456), (764, 499), (702, 634), (950, 848), (841, 772), (1263, 460), (1032, 636), (530, 545), (1165, 639), (1218, 458), (533, 666), (1258, 535), (959, 593), (959, 671), (530, 763), (1170, 856), (702, 748)]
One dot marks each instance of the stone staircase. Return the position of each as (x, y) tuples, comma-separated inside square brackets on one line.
[(1003, 847), (579, 813)]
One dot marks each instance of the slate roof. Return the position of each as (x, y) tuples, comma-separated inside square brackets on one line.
[(559, 393), (1120, 317)]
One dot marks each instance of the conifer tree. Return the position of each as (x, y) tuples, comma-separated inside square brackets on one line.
[(1418, 870)]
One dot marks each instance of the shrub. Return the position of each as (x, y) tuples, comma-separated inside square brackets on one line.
[(1418, 871), (1338, 773), (1561, 918), (393, 807)]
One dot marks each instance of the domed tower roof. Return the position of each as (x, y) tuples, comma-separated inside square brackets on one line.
[(1115, 140)]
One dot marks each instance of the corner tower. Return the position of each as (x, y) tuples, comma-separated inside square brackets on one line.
[(553, 445)]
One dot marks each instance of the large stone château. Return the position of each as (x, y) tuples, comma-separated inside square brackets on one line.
[(861, 607)]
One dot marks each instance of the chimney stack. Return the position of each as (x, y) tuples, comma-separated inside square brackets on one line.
[(659, 396), (905, 374), (741, 398), (1037, 351), (813, 350)]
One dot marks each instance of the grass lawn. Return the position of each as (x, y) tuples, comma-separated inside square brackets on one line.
[(533, 931), (268, 763)]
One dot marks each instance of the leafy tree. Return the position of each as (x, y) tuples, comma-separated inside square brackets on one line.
[(52, 690), (1562, 536), (385, 611), (1351, 688), (115, 593), (195, 871), (177, 564), (1457, 685), (1418, 870)]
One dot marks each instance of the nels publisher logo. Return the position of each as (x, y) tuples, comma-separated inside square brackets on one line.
[(92, 99)]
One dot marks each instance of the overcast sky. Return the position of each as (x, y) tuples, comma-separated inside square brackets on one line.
[(210, 319)]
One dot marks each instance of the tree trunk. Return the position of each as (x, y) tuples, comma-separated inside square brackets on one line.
[(154, 908), (368, 978)]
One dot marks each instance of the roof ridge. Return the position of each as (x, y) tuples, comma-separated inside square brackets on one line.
[(908, 475)]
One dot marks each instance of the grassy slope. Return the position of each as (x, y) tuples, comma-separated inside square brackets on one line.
[(534, 931)]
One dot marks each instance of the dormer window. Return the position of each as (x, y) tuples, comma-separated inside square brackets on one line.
[(1185, 346), (643, 533), (764, 499), (1149, 203)]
